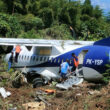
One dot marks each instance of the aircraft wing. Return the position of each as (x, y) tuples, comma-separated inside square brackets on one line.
[(25, 42), (41, 42)]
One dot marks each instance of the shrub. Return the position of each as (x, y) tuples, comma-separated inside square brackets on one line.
[(47, 16), (106, 75), (4, 28), (30, 22)]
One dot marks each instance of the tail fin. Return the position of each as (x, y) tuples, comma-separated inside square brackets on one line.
[(103, 42)]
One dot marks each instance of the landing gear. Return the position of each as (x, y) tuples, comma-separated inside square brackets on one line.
[(35, 79), (37, 82)]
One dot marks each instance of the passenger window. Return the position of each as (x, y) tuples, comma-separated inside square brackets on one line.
[(40, 58), (33, 58), (22, 57), (55, 60), (62, 60), (36, 58), (28, 58), (44, 58), (25, 57), (59, 60), (47, 58), (51, 60)]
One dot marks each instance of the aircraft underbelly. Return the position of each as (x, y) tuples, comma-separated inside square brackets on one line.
[(48, 72)]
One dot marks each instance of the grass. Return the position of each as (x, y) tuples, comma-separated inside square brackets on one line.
[(86, 106)]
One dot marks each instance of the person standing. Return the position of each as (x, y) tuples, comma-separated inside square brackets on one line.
[(10, 61), (75, 62), (72, 32), (64, 67), (17, 51)]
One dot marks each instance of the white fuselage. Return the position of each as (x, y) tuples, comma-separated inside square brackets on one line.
[(32, 59)]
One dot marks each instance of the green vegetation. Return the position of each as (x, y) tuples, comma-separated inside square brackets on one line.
[(106, 75), (51, 19)]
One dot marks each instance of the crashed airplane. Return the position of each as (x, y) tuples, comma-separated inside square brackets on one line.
[(42, 58)]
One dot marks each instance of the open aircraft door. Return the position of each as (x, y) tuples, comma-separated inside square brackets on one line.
[(81, 56)]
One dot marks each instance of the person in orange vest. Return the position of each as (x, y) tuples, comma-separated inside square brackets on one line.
[(17, 51), (75, 62)]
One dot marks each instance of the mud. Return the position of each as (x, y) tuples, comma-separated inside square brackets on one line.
[(77, 98)]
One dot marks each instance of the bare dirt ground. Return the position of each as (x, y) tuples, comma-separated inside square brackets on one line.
[(86, 96)]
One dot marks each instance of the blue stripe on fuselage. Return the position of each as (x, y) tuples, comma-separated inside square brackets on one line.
[(95, 54)]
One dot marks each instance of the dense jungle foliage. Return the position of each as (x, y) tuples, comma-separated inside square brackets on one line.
[(51, 19)]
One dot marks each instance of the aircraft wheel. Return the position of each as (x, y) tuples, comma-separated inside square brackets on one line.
[(37, 82)]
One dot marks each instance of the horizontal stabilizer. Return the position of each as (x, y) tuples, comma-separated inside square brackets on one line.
[(103, 42)]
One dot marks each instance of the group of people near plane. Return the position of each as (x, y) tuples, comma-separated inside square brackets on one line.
[(65, 69)]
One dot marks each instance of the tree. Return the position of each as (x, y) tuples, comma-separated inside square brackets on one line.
[(13, 5), (3, 7), (31, 22), (9, 25), (47, 16), (87, 2), (87, 8), (64, 16), (97, 12), (108, 17)]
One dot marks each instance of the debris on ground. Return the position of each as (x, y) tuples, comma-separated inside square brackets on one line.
[(72, 80), (34, 106), (93, 92), (40, 98), (18, 80), (40, 92), (48, 91), (15, 108), (4, 93), (78, 94)]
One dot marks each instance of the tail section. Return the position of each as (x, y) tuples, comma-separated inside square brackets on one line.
[(103, 42)]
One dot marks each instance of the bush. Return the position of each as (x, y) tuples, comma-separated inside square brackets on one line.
[(4, 28), (15, 27), (30, 34), (106, 75), (59, 32), (9, 25), (47, 16), (30, 22)]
